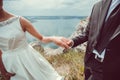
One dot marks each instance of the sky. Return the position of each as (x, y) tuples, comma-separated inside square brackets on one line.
[(49, 7)]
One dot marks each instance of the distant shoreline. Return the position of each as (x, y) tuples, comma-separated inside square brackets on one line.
[(54, 17), (54, 25), (35, 18)]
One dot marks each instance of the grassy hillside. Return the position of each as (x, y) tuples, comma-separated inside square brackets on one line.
[(69, 64)]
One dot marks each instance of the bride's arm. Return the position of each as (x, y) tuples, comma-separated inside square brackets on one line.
[(27, 26)]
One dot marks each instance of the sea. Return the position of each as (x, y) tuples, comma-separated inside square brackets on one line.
[(53, 26)]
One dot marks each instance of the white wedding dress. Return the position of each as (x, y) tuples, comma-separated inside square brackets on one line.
[(19, 57)]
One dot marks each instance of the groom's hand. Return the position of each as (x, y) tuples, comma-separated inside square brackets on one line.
[(62, 41), (70, 43)]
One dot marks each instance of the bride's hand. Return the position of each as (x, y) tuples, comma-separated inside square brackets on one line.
[(61, 41)]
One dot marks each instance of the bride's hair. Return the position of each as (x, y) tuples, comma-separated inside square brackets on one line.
[(1, 3)]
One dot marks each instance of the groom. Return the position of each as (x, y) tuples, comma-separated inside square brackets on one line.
[(102, 58)]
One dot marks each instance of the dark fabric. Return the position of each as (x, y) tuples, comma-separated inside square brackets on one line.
[(111, 64), (93, 69), (108, 29), (88, 73), (92, 31)]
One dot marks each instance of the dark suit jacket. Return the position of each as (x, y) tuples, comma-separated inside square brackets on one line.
[(111, 62)]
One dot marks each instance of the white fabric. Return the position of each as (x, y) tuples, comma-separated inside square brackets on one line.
[(100, 56), (19, 57)]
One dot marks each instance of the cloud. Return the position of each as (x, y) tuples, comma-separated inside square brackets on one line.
[(49, 7)]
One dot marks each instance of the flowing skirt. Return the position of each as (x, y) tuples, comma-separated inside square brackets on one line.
[(28, 64)]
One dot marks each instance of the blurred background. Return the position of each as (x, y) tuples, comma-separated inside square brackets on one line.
[(51, 17)]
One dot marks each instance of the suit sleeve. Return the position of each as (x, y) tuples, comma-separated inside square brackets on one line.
[(83, 37)]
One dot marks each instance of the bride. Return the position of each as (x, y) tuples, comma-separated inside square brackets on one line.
[(17, 56)]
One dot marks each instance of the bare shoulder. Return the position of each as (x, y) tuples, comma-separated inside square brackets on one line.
[(25, 23)]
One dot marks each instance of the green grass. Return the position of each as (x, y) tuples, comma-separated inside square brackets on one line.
[(69, 64)]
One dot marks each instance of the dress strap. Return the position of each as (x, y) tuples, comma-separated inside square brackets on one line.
[(8, 21)]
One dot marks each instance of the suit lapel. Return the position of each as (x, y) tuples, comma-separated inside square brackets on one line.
[(117, 32), (103, 12)]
